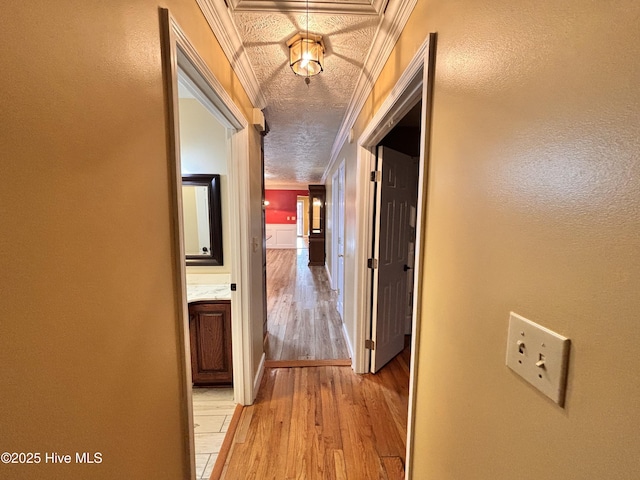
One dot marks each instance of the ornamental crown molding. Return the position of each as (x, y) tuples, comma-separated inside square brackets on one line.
[(348, 7), (223, 27)]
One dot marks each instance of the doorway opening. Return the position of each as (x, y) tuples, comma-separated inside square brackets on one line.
[(395, 206), (413, 86), (303, 324), (204, 151), (302, 221), (186, 71)]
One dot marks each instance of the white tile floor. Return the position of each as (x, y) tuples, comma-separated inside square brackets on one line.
[(212, 412)]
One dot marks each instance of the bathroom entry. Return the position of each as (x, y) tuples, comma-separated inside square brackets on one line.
[(212, 140), (183, 64)]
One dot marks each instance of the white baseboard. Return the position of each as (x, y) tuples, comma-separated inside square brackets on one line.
[(258, 379), (347, 341)]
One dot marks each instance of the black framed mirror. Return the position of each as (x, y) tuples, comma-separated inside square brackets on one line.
[(202, 219)]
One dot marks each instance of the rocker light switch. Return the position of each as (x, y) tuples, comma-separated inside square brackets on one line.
[(538, 355)]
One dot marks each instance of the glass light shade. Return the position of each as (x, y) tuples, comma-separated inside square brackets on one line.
[(306, 54)]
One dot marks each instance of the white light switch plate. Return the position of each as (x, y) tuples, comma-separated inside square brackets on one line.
[(538, 355)]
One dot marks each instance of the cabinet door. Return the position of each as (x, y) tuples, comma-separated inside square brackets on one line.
[(316, 251), (210, 331)]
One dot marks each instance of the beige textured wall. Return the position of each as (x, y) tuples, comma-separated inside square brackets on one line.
[(89, 355), (534, 206), (203, 149)]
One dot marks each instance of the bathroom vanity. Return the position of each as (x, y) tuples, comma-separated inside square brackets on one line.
[(210, 334)]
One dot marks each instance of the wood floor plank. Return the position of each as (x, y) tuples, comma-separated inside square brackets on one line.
[(361, 460), (396, 397), (329, 406), (393, 467), (245, 423), (281, 407), (385, 434), (299, 427), (338, 460)]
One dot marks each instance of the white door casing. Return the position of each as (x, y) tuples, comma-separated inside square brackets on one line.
[(411, 249), (404, 96), (340, 240), (334, 230)]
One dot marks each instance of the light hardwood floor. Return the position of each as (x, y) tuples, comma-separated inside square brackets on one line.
[(302, 321), (324, 423)]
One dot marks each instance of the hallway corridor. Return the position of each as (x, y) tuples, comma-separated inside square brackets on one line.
[(304, 327)]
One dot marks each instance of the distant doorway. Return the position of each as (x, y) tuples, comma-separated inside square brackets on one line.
[(299, 221), (302, 217)]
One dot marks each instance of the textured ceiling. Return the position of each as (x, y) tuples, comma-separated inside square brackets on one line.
[(304, 120)]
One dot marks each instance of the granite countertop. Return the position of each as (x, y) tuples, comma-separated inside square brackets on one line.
[(208, 292)]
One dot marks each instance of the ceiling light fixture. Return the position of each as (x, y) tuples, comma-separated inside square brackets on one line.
[(306, 53)]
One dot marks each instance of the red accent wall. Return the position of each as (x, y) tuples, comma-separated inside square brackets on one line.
[(282, 204)]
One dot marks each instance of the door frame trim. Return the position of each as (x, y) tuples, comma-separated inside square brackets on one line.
[(338, 178), (334, 229), (402, 98), (179, 54), (416, 82)]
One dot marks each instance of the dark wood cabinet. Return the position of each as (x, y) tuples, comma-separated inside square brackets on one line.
[(317, 202), (210, 332)]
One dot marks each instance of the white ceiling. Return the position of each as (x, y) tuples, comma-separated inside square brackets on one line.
[(305, 121)]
